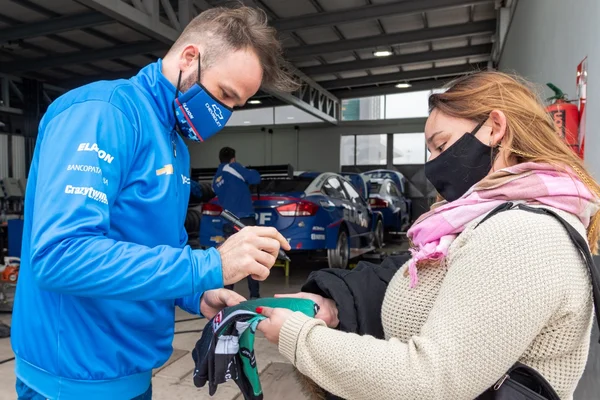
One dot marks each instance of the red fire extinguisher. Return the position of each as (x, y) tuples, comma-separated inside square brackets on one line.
[(565, 116)]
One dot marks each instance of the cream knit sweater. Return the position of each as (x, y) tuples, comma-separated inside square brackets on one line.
[(515, 289)]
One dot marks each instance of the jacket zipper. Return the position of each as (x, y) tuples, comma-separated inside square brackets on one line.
[(177, 177)]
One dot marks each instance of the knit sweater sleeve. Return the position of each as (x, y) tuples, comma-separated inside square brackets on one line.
[(502, 287)]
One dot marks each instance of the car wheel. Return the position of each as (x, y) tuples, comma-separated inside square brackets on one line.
[(379, 234), (339, 256)]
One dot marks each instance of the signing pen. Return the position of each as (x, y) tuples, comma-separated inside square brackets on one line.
[(237, 223)]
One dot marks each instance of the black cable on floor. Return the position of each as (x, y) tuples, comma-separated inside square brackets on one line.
[(7, 360), (188, 319), (190, 331)]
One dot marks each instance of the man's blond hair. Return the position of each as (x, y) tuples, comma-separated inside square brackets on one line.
[(223, 29)]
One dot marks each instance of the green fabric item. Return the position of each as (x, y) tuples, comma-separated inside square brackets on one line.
[(226, 349)]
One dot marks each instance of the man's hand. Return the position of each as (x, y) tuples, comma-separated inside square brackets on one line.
[(251, 251), (328, 311), (213, 301)]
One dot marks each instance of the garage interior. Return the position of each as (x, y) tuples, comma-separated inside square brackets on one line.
[(366, 69)]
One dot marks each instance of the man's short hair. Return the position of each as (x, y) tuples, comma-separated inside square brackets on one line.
[(223, 29), (226, 154)]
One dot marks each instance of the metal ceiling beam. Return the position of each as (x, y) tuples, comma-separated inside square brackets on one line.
[(403, 59), (81, 56), (419, 35), (53, 25), (148, 24), (402, 76), (374, 11), (389, 89)]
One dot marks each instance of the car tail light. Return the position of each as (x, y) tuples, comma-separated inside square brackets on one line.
[(378, 203), (299, 209), (211, 209)]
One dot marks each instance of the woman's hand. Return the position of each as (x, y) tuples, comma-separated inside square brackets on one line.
[(213, 301), (271, 326), (328, 311)]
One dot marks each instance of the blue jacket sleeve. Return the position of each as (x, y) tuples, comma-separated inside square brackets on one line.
[(251, 176), (71, 251)]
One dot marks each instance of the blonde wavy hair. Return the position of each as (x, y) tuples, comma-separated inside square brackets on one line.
[(531, 135)]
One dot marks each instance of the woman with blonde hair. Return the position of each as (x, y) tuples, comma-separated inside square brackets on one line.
[(477, 296)]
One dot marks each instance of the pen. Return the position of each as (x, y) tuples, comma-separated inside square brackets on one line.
[(238, 224)]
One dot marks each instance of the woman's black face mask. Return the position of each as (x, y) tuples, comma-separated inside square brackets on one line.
[(460, 166)]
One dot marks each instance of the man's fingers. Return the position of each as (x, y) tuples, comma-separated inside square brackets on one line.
[(264, 258), (272, 233), (268, 245), (232, 298), (259, 271)]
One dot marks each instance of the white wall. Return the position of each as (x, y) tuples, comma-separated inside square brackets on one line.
[(314, 147), (546, 41)]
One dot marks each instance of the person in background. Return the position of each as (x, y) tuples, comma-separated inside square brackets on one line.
[(104, 258), (477, 296), (231, 185)]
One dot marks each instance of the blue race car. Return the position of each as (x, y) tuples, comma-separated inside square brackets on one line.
[(314, 211), (387, 195)]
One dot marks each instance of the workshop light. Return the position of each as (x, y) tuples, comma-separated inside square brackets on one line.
[(382, 53), (403, 85), (255, 101)]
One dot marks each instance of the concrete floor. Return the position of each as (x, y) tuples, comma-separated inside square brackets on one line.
[(173, 381)]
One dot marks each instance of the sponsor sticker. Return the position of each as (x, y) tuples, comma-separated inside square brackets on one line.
[(84, 168), (89, 192), (102, 154), (318, 229), (316, 236), (166, 170)]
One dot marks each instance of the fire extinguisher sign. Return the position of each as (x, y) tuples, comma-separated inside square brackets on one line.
[(559, 117)]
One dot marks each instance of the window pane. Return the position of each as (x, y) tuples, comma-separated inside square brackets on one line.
[(347, 150), (409, 148), (366, 108), (354, 196), (293, 115), (260, 116), (407, 105), (371, 149)]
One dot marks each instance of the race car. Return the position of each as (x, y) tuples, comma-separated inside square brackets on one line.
[(387, 194), (314, 211)]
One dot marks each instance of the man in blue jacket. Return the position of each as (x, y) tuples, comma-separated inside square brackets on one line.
[(104, 255), (231, 187)]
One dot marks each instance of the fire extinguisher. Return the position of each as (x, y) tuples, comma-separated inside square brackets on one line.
[(565, 116)]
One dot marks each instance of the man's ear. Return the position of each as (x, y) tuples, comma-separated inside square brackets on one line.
[(188, 58), (498, 120)]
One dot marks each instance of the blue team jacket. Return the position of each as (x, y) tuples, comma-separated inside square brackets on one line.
[(104, 256), (231, 187)]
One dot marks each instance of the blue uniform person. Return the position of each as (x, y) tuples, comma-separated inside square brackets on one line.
[(104, 257), (231, 187)]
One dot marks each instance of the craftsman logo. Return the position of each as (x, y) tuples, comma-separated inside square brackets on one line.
[(103, 155), (166, 170), (87, 192), (84, 168), (187, 111), (185, 180), (215, 113)]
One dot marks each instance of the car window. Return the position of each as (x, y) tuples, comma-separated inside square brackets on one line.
[(333, 188), (354, 196), (394, 190)]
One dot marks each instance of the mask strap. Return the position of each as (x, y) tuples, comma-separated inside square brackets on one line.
[(175, 125)]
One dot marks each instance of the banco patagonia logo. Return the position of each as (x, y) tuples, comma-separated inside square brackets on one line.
[(215, 113), (102, 154)]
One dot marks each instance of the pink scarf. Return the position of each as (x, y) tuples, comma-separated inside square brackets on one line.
[(531, 183)]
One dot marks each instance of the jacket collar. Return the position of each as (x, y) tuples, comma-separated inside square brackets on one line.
[(159, 91)]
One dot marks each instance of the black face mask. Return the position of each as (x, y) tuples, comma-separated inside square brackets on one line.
[(460, 166)]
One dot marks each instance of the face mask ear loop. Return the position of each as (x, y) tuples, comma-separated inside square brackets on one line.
[(175, 126)]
